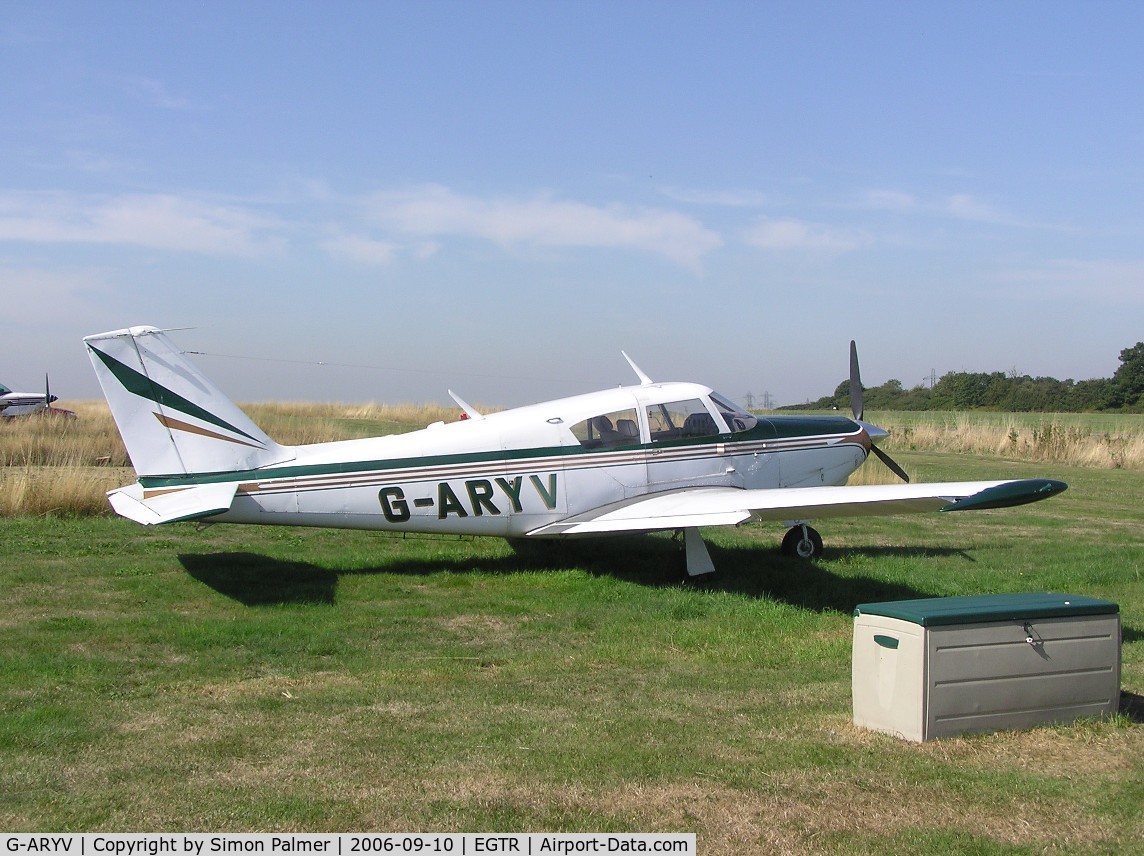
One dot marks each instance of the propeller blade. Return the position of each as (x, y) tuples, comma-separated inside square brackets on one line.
[(891, 463), (855, 383), (858, 409)]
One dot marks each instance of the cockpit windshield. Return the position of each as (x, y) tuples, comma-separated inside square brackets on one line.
[(736, 417)]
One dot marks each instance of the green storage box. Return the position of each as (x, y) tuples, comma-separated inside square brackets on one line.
[(936, 667)]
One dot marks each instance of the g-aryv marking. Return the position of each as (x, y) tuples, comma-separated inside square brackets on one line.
[(480, 494)]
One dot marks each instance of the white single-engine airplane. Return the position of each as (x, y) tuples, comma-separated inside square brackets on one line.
[(652, 456), (28, 403)]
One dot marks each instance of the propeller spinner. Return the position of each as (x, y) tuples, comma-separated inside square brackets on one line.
[(858, 410)]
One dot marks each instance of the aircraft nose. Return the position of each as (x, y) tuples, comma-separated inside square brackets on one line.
[(876, 433)]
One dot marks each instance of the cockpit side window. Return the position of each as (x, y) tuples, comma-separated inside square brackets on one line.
[(737, 419), (618, 428), (680, 419)]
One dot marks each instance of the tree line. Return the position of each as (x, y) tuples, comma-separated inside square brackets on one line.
[(1003, 391)]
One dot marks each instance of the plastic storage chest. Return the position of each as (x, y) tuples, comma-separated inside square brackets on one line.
[(935, 667)]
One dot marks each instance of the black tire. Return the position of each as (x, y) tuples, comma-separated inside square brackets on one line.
[(800, 547)]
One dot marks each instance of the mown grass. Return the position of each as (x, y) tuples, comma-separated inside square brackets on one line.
[(246, 678)]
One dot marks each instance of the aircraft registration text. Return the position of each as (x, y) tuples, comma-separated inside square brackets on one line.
[(476, 497)]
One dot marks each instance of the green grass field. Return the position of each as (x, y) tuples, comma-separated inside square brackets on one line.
[(265, 679)]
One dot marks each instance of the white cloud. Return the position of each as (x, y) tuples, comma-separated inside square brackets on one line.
[(965, 207), (891, 200), (156, 93), (716, 198), (162, 222), (33, 296), (435, 211), (960, 206), (1117, 283), (362, 250), (784, 235)]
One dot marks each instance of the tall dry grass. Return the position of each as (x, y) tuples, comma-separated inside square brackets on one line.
[(1022, 439), (295, 423), (60, 491), (90, 439), (52, 465), (66, 466), (1013, 437)]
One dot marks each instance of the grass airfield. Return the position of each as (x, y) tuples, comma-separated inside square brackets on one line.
[(272, 679), (266, 679)]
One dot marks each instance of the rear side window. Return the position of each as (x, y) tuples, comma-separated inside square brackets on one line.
[(618, 428)]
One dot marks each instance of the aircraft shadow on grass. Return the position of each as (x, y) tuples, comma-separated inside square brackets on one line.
[(257, 580)]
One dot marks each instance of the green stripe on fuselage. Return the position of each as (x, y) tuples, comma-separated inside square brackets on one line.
[(347, 467), (784, 428)]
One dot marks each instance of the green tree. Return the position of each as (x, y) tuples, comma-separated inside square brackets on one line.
[(1005, 392), (964, 390), (1128, 381)]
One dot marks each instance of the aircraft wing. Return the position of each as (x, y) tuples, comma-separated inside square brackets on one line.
[(727, 506)]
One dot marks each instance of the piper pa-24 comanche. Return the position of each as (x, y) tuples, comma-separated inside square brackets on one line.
[(640, 458)]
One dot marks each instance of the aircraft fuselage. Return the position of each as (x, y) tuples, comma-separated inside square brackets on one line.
[(513, 472)]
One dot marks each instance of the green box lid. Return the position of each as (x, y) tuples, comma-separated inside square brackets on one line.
[(975, 609)]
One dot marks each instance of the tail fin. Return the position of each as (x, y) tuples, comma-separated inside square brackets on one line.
[(173, 420)]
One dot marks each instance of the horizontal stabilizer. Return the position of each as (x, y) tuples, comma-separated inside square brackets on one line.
[(173, 504)]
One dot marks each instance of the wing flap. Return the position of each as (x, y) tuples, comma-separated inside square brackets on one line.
[(726, 506), (188, 503), (678, 509)]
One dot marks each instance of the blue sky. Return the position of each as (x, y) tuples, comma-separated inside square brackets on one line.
[(497, 197)]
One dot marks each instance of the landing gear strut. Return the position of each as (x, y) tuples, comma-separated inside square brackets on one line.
[(802, 542)]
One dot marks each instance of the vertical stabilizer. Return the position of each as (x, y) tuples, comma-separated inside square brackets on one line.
[(173, 420)]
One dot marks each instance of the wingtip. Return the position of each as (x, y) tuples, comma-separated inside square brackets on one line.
[(1009, 494)]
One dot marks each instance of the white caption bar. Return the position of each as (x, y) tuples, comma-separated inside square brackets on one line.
[(345, 843)]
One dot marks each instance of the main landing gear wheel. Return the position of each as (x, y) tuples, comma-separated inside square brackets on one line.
[(803, 542)]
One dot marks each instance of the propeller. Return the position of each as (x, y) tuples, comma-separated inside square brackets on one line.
[(855, 384), (858, 410), (48, 397)]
